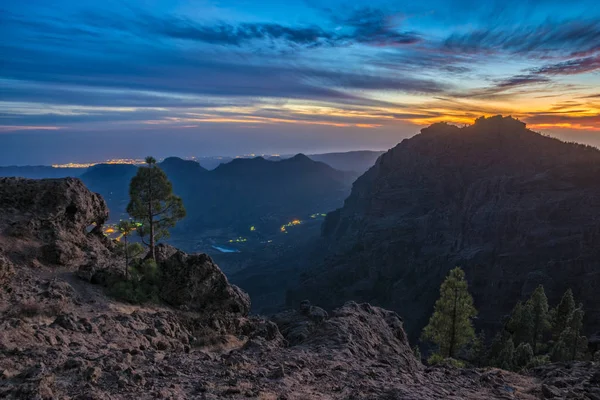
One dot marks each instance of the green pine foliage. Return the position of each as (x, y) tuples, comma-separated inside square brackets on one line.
[(562, 314), (153, 203), (524, 341), (438, 359), (142, 287), (450, 327), (506, 357), (538, 304), (477, 354), (520, 323), (523, 356), (571, 345)]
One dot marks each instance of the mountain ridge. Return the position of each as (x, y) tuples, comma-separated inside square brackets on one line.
[(512, 207)]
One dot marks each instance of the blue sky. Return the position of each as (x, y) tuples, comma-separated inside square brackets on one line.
[(91, 80)]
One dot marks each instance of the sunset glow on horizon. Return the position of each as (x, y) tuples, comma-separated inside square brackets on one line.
[(238, 76)]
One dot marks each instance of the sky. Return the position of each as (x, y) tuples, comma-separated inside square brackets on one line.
[(89, 80)]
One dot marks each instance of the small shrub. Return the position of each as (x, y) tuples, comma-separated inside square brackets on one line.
[(417, 352), (142, 287), (438, 359), (435, 359), (538, 361)]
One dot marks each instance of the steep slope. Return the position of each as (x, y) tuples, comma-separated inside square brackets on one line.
[(514, 208)]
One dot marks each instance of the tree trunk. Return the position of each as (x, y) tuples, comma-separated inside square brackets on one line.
[(151, 219), (152, 252), (126, 258), (453, 333)]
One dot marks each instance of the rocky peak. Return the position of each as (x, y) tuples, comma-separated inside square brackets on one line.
[(59, 221), (512, 207), (299, 158), (195, 282)]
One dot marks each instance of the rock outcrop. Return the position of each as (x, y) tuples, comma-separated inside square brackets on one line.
[(512, 207), (195, 282), (53, 221), (361, 330)]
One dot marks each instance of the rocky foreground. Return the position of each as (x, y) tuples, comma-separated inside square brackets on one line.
[(61, 337)]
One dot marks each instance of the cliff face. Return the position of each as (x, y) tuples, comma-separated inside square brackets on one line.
[(512, 207)]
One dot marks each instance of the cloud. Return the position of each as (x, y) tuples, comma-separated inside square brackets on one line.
[(375, 26), (520, 80), (543, 119), (425, 59), (152, 75), (571, 37), (504, 87), (235, 35), (366, 26), (570, 67)]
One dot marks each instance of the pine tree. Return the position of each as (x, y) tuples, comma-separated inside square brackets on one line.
[(575, 325), (153, 203), (497, 345), (520, 324), (538, 303), (506, 357), (562, 314), (523, 355), (478, 351), (450, 326)]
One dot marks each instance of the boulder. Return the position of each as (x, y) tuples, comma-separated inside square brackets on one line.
[(195, 282), (365, 331), (59, 221), (314, 313), (163, 252)]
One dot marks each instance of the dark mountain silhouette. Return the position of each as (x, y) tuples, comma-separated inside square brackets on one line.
[(236, 195), (181, 167), (358, 161), (40, 171), (211, 163), (263, 193), (512, 207)]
